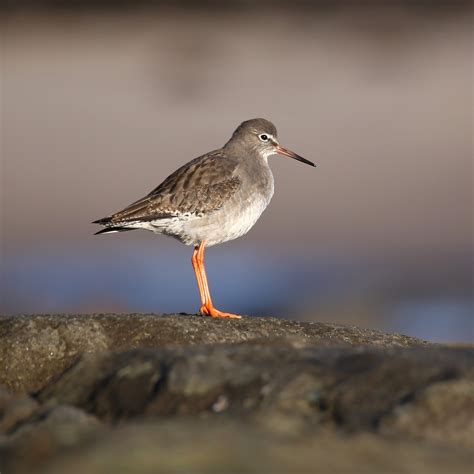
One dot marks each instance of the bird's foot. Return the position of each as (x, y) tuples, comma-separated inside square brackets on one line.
[(208, 310)]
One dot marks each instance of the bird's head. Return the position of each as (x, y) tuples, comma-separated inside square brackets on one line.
[(260, 135)]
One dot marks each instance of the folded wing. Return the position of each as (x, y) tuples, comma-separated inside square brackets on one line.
[(199, 187)]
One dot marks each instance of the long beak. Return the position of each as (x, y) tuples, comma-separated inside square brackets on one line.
[(283, 151)]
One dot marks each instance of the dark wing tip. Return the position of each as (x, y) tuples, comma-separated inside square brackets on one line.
[(101, 231), (111, 230), (103, 221)]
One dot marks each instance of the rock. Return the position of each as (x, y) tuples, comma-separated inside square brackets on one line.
[(36, 348), (178, 394), (111, 385), (51, 432), (443, 412), (354, 389), (17, 410), (5, 397), (226, 446), (303, 395)]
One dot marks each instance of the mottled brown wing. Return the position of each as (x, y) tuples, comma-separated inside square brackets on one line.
[(200, 186)]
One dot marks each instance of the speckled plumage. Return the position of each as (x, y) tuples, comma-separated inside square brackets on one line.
[(214, 198)]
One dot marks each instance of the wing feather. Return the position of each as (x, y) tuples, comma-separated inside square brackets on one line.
[(201, 186)]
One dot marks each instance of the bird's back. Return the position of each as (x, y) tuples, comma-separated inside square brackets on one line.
[(198, 187)]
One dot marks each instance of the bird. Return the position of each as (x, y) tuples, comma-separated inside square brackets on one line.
[(210, 200)]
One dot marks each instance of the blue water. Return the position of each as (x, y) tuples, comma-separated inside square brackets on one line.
[(436, 319), (246, 282)]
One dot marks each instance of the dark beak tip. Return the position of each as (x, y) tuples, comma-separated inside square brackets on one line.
[(304, 160), (283, 151)]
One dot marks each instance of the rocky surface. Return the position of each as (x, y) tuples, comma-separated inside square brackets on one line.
[(229, 446), (180, 394), (33, 349)]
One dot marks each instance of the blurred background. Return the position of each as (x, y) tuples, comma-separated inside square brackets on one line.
[(100, 101)]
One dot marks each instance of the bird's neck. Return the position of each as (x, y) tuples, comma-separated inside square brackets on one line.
[(253, 155)]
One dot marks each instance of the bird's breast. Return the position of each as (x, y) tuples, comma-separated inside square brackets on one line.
[(234, 219), (243, 210)]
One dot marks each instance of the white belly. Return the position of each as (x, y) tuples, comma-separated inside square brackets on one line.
[(233, 220), (226, 224)]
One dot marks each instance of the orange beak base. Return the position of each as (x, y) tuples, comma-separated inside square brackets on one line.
[(283, 151)]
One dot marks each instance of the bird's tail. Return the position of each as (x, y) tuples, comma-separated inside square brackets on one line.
[(110, 228), (104, 221)]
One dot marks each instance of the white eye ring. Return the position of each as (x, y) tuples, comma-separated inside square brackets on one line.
[(264, 137)]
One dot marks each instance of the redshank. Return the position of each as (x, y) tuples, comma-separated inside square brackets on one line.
[(212, 199)]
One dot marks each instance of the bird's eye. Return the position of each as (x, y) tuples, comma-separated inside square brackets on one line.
[(263, 137)]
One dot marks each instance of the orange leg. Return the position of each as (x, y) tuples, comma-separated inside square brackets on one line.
[(207, 307), (200, 259), (197, 272)]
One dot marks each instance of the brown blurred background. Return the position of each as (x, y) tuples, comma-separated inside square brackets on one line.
[(101, 102)]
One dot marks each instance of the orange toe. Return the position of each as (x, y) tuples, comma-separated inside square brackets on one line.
[(215, 313)]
